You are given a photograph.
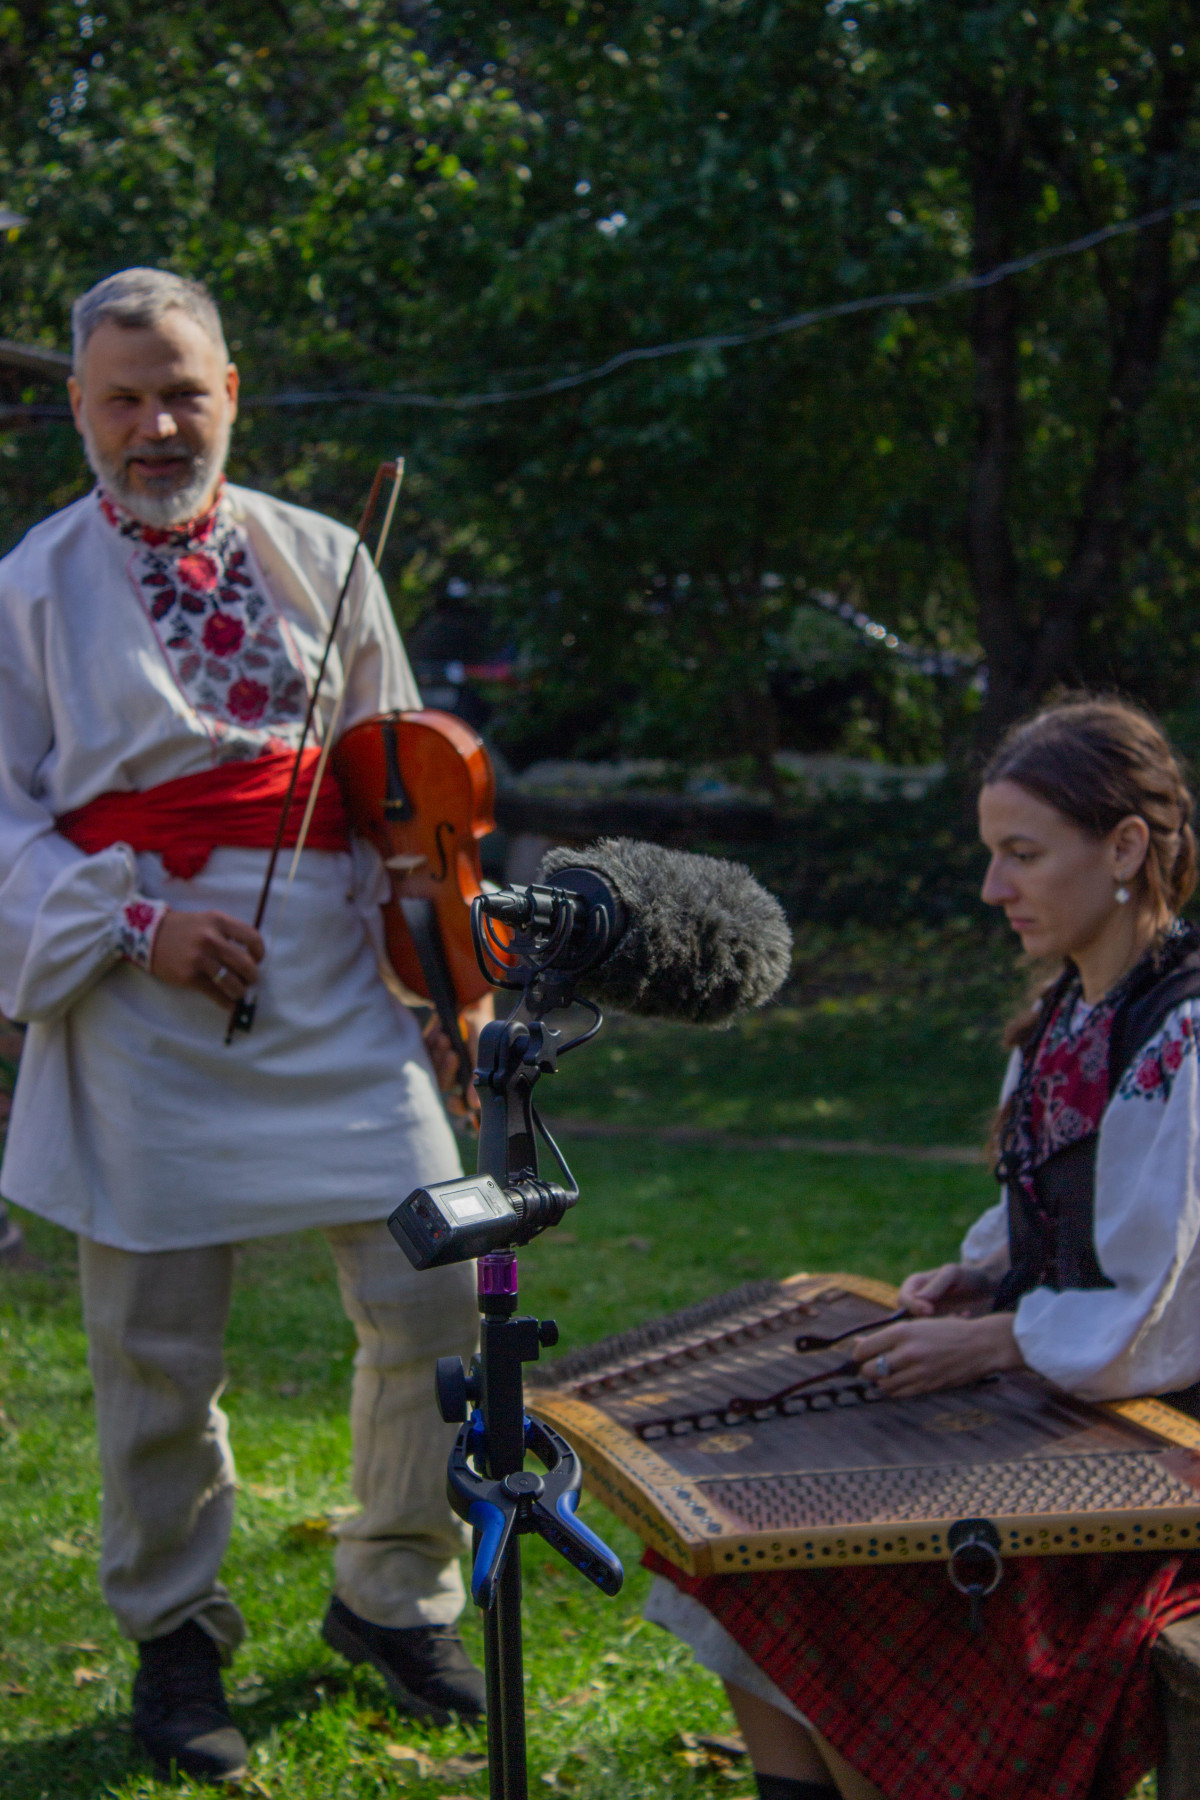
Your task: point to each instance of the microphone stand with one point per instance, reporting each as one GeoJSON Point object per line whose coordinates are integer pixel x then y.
{"type": "Point", "coordinates": [499, 1498]}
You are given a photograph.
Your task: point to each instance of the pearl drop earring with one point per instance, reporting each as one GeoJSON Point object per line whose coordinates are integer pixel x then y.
{"type": "Point", "coordinates": [1122, 895]}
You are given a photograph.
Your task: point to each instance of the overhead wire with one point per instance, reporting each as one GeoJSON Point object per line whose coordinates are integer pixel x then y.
{"type": "Point", "coordinates": [707, 342]}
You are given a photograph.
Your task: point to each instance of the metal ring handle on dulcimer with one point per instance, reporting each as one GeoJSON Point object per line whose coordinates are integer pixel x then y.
{"type": "Point", "coordinates": [419, 786]}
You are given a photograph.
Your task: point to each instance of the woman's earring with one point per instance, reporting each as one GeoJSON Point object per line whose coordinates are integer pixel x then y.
{"type": "Point", "coordinates": [1122, 895]}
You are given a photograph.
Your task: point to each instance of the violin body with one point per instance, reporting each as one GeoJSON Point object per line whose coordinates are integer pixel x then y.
{"type": "Point", "coordinates": [420, 787]}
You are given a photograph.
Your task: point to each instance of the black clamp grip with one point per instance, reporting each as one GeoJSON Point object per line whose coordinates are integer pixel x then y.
{"type": "Point", "coordinates": [525, 1502]}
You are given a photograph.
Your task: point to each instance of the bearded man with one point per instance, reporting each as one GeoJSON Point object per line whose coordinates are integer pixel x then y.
{"type": "Point", "coordinates": [158, 644]}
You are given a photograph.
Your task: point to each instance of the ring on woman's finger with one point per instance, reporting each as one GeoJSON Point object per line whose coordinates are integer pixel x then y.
{"type": "Point", "coordinates": [883, 1368]}
{"type": "Point", "coordinates": [220, 975]}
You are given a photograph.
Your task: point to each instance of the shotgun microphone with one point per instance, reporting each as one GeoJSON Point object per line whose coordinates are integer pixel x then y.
{"type": "Point", "coordinates": [660, 933]}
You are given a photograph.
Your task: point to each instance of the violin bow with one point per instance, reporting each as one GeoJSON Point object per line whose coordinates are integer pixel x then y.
{"type": "Point", "coordinates": [241, 1015]}
{"type": "Point", "coordinates": [351, 652]}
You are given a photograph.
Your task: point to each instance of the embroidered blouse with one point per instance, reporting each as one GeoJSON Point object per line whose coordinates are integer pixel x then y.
{"type": "Point", "coordinates": [1142, 1334]}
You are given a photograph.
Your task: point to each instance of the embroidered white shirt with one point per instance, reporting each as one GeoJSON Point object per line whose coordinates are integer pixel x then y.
{"type": "Point", "coordinates": [1142, 1335]}
{"type": "Point", "coordinates": [131, 1121]}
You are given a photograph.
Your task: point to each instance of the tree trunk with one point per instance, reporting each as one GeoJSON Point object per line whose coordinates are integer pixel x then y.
{"type": "Point", "coordinates": [1139, 313]}
{"type": "Point", "coordinates": [1028, 654]}
{"type": "Point", "coordinates": [997, 156]}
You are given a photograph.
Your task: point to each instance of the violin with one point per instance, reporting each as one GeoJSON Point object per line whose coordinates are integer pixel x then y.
{"type": "Point", "coordinates": [419, 786]}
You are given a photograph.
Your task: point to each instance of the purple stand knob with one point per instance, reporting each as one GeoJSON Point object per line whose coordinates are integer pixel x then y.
{"type": "Point", "coordinates": [498, 1274]}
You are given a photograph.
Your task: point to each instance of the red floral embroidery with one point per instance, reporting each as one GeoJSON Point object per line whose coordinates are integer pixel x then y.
{"type": "Point", "coordinates": [1154, 1075]}
{"type": "Point", "coordinates": [199, 571]}
{"type": "Point", "coordinates": [191, 532]}
{"type": "Point", "coordinates": [247, 700]}
{"type": "Point", "coordinates": [1069, 1090]}
{"type": "Point", "coordinates": [1147, 1076]}
{"type": "Point", "coordinates": [218, 629]}
{"type": "Point", "coordinates": [136, 927]}
{"type": "Point", "coordinates": [223, 635]}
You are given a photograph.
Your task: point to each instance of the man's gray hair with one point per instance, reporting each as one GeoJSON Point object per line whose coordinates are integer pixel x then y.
{"type": "Point", "coordinates": [138, 297]}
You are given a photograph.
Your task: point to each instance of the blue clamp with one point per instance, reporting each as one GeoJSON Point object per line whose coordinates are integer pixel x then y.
{"type": "Point", "coordinates": [524, 1502]}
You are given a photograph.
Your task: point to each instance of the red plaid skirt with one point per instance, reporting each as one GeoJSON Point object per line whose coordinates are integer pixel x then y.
{"type": "Point", "coordinates": [1052, 1700]}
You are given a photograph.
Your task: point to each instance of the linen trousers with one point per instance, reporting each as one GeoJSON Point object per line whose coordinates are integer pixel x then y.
{"type": "Point", "coordinates": [155, 1325]}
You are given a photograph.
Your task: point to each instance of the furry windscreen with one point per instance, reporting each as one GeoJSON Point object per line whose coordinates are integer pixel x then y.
{"type": "Point", "coordinates": [705, 941]}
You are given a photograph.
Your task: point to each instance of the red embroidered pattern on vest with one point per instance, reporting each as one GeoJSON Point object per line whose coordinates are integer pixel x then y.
{"type": "Point", "coordinates": [1070, 1079]}
{"type": "Point", "coordinates": [220, 633]}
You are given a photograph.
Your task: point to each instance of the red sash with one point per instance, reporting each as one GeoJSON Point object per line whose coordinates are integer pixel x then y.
{"type": "Point", "coordinates": [235, 805]}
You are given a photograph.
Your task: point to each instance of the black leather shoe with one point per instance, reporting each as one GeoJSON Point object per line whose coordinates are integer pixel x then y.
{"type": "Point", "coordinates": [180, 1716]}
{"type": "Point", "coordinates": [427, 1670]}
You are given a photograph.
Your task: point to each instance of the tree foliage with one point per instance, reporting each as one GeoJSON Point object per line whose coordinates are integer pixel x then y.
{"type": "Point", "coordinates": [438, 200]}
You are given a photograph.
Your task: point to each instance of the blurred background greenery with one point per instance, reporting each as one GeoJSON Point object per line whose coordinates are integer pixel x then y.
{"type": "Point", "coordinates": [391, 197]}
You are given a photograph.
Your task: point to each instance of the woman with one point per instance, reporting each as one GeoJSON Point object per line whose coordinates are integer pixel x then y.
{"type": "Point", "coordinates": [844, 1679]}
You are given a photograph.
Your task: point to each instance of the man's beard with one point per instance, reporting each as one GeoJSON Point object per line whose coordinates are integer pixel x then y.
{"type": "Point", "coordinates": [182, 502]}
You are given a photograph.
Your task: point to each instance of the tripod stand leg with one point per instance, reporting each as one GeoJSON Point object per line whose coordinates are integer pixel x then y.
{"type": "Point", "coordinates": [497, 1784]}
{"type": "Point", "coordinates": [512, 1677]}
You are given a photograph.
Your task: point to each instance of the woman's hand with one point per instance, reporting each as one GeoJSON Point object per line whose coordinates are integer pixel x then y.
{"type": "Point", "coordinates": [923, 1292]}
{"type": "Point", "coordinates": [922, 1355]}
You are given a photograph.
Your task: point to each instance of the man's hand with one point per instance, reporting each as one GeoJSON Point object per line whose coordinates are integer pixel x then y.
{"type": "Point", "coordinates": [922, 1355]}
{"type": "Point", "coordinates": [443, 1057]}
{"type": "Point", "coordinates": [924, 1292]}
{"type": "Point", "coordinates": [208, 951]}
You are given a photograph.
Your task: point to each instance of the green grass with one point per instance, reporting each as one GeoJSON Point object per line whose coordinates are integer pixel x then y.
{"type": "Point", "coordinates": [657, 1227]}
{"type": "Point", "coordinates": [886, 1037]}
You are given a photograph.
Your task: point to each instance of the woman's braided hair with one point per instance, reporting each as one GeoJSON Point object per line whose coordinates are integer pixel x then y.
{"type": "Point", "coordinates": [1099, 759]}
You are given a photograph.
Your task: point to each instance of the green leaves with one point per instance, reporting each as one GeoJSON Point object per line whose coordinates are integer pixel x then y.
{"type": "Point", "coordinates": [454, 205]}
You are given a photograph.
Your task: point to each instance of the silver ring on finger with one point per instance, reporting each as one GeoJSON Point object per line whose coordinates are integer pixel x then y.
{"type": "Point", "coordinates": [883, 1368]}
{"type": "Point", "coordinates": [220, 975]}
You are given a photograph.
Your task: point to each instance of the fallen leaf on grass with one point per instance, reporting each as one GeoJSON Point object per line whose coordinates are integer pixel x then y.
{"type": "Point", "coordinates": [580, 1697]}
{"type": "Point", "coordinates": [81, 1677]}
{"type": "Point", "coordinates": [318, 1526]}
{"type": "Point", "coordinates": [262, 1491]}
{"type": "Point", "coordinates": [568, 1773]}
{"type": "Point", "coordinates": [712, 1752]}
{"type": "Point", "coordinates": [614, 1657]}
{"type": "Point", "coordinates": [310, 1531]}
{"type": "Point", "coordinates": [404, 1753]}
{"type": "Point", "coordinates": [13, 1689]}
{"type": "Point", "coordinates": [725, 1744]}
{"type": "Point", "coordinates": [63, 1547]}
{"type": "Point", "coordinates": [462, 1765]}
{"type": "Point", "coordinates": [84, 1646]}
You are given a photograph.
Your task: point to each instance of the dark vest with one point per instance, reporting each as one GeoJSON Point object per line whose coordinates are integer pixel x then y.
{"type": "Point", "coordinates": [1053, 1244]}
